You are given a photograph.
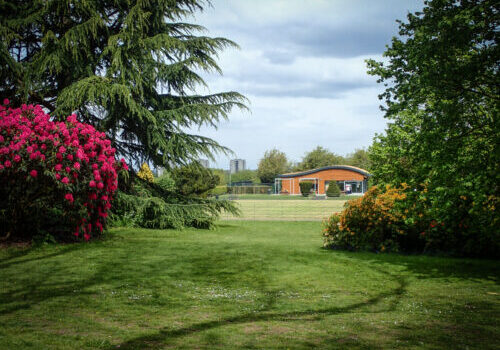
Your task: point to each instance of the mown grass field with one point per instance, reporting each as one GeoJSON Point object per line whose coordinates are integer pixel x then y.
{"type": "Point", "coordinates": [273, 197]}
{"type": "Point", "coordinates": [287, 210]}
{"type": "Point", "coordinates": [245, 285]}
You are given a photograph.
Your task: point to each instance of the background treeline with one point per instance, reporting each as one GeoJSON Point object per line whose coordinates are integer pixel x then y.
{"type": "Point", "coordinates": [275, 162]}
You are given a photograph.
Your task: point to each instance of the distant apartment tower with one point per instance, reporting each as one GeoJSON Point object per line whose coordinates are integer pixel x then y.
{"type": "Point", "coordinates": [237, 165]}
{"type": "Point", "coordinates": [203, 162]}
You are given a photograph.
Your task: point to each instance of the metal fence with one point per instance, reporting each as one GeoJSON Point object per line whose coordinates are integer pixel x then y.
{"type": "Point", "coordinates": [244, 188]}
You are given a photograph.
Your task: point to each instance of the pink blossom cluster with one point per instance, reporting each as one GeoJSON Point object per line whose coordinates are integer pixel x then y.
{"type": "Point", "coordinates": [73, 157]}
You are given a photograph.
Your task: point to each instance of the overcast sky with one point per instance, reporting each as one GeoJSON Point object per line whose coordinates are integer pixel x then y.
{"type": "Point", "coordinates": [302, 67]}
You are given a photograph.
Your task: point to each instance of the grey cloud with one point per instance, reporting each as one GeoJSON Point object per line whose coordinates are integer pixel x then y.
{"type": "Point", "coordinates": [328, 89]}
{"type": "Point", "coordinates": [272, 79]}
{"type": "Point", "coordinates": [284, 42]}
{"type": "Point", "coordinates": [342, 29]}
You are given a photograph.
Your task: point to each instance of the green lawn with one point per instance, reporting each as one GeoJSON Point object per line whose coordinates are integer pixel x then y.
{"type": "Point", "coordinates": [246, 285]}
{"type": "Point", "coordinates": [288, 210]}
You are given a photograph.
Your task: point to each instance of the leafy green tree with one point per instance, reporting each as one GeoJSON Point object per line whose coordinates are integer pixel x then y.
{"type": "Point", "coordinates": [194, 180]}
{"type": "Point", "coordinates": [223, 176]}
{"type": "Point", "coordinates": [442, 101]}
{"type": "Point", "coordinates": [245, 175]}
{"type": "Point", "coordinates": [130, 68]}
{"type": "Point", "coordinates": [319, 157]}
{"type": "Point", "coordinates": [359, 158]}
{"type": "Point", "coordinates": [272, 164]}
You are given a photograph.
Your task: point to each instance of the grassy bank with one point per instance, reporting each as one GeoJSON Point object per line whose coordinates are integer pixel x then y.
{"type": "Point", "coordinates": [246, 285]}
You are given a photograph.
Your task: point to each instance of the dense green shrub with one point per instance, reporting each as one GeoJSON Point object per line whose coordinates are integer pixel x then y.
{"type": "Point", "coordinates": [219, 190]}
{"type": "Point", "coordinates": [156, 213]}
{"type": "Point", "coordinates": [151, 206]}
{"type": "Point", "coordinates": [166, 182]}
{"type": "Point", "coordinates": [443, 132]}
{"type": "Point", "coordinates": [125, 210]}
{"type": "Point", "coordinates": [333, 189]}
{"type": "Point", "coordinates": [401, 219]}
{"type": "Point", "coordinates": [194, 180]}
{"type": "Point", "coordinates": [305, 188]}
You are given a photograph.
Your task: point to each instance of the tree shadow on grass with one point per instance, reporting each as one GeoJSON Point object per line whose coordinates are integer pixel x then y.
{"type": "Point", "coordinates": [35, 288]}
{"type": "Point", "coordinates": [165, 335]}
{"type": "Point", "coordinates": [13, 257]}
{"type": "Point", "coordinates": [429, 267]}
{"type": "Point", "coordinates": [38, 290]}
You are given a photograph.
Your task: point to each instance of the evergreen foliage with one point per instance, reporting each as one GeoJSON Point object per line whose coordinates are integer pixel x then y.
{"type": "Point", "coordinates": [194, 180]}
{"type": "Point", "coordinates": [166, 182]}
{"type": "Point", "coordinates": [305, 188]}
{"type": "Point", "coordinates": [271, 165]}
{"type": "Point", "coordinates": [150, 206]}
{"type": "Point", "coordinates": [333, 189]}
{"type": "Point", "coordinates": [128, 67]}
{"type": "Point", "coordinates": [145, 173]}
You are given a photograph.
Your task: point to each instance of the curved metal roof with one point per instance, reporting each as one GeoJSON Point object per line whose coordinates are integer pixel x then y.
{"type": "Point", "coordinates": [341, 167]}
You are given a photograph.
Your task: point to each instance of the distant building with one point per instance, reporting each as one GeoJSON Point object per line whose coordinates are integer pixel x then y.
{"type": "Point", "coordinates": [350, 179]}
{"type": "Point", "coordinates": [237, 165]}
{"type": "Point", "coordinates": [203, 162]}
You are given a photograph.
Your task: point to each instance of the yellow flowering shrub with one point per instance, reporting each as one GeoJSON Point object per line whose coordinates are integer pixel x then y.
{"type": "Point", "coordinates": [145, 173]}
{"type": "Point", "coordinates": [407, 219]}
{"type": "Point", "coordinates": [377, 221]}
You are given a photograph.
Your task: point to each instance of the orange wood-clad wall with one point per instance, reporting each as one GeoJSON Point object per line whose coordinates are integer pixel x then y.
{"type": "Point", "coordinates": [291, 185]}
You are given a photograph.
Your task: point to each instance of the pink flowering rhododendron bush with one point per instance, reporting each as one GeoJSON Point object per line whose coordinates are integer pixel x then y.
{"type": "Point", "coordinates": [57, 178]}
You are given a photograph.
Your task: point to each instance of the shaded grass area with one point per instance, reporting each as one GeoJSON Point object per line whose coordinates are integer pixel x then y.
{"type": "Point", "coordinates": [246, 285]}
{"type": "Point", "coordinates": [287, 210]}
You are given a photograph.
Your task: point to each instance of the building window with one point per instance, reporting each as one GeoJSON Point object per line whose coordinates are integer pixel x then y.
{"type": "Point", "coordinates": [354, 186]}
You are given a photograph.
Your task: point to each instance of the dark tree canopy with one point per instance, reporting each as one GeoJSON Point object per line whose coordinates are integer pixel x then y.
{"type": "Point", "coordinates": [442, 98]}
{"type": "Point", "coordinates": [130, 68]}
{"type": "Point", "coordinates": [443, 93]}
{"type": "Point", "coordinates": [194, 180]}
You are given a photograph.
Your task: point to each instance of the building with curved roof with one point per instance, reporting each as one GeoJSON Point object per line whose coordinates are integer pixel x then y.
{"type": "Point", "coordinates": [351, 180]}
